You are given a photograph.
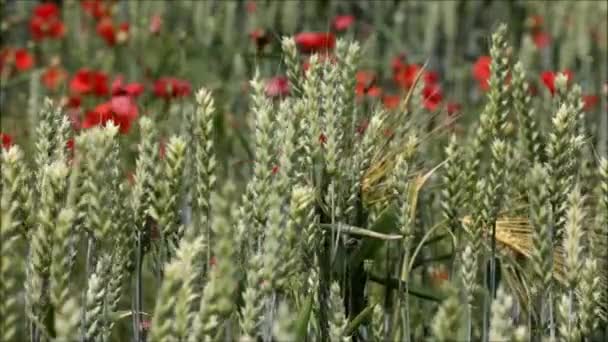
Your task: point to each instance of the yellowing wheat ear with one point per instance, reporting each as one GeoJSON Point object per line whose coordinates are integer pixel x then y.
{"type": "Point", "coordinates": [515, 234]}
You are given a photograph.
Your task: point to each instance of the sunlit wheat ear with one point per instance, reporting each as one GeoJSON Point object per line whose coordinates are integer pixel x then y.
{"type": "Point", "coordinates": [542, 240]}
{"type": "Point", "coordinates": [573, 238]}
{"type": "Point", "coordinates": [251, 311]}
{"type": "Point", "coordinates": [164, 326]}
{"type": "Point", "coordinates": [469, 273]}
{"type": "Point", "coordinates": [16, 189]}
{"type": "Point", "coordinates": [166, 210]}
{"type": "Point", "coordinates": [95, 297]}
{"type": "Point", "coordinates": [145, 174]}
{"type": "Point", "coordinates": [568, 318]}
{"type": "Point", "coordinates": [52, 193]}
{"type": "Point", "coordinates": [501, 325]}
{"type": "Point", "coordinates": [589, 297]}
{"type": "Point", "coordinates": [51, 135]}
{"type": "Point", "coordinates": [218, 298]}
{"type": "Point", "coordinates": [530, 136]}
{"type": "Point", "coordinates": [188, 256]}
{"type": "Point", "coordinates": [493, 119]}
{"type": "Point", "coordinates": [498, 96]}
{"type": "Point", "coordinates": [60, 264]}
{"type": "Point", "coordinates": [10, 265]}
{"type": "Point", "coordinates": [284, 326]}
{"type": "Point", "coordinates": [573, 250]}
{"type": "Point", "coordinates": [292, 61]}
{"type": "Point", "coordinates": [204, 159]}
{"type": "Point", "coordinates": [99, 193]}
{"type": "Point", "coordinates": [599, 240]}
{"type": "Point", "coordinates": [562, 152]}
{"type": "Point", "coordinates": [446, 322]}
{"type": "Point", "coordinates": [452, 190]}
{"type": "Point", "coordinates": [338, 320]}
{"type": "Point", "coordinates": [259, 186]}
{"type": "Point", "coordinates": [348, 54]}
{"type": "Point", "coordinates": [275, 249]}
{"type": "Point", "coordinates": [332, 106]}
{"type": "Point", "coordinates": [311, 94]}
{"type": "Point", "coordinates": [67, 319]}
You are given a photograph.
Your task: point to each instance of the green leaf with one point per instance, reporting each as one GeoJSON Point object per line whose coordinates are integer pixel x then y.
{"type": "Point", "coordinates": [303, 317]}
{"type": "Point", "coordinates": [413, 290]}
{"type": "Point", "coordinates": [387, 222]}
{"type": "Point", "coordinates": [358, 320]}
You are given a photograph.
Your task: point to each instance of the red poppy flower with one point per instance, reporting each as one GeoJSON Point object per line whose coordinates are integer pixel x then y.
{"type": "Point", "coordinates": [374, 91]}
{"type": "Point", "coordinates": [7, 140]}
{"type": "Point", "coordinates": [481, 72]}
{"type": "Point", "coordinates": [110, 34]}
{"type": "Point", "coordinates": [170, 87]}
{"type": "Point", "coordinates": [541, 39]}
{"type": "Point", "coordinates": [73, 101]}
{"type": "Point", "coordinates": [23, 60]}
{"type": "Point", "coordinates": [315, 41]}
{"type": "Point", "coordinates": [548, 79]}
{"type": "Point", "coordinates": [52, 77]}
{"type": "Point", "coordinates": [275, 169]}
{"type": "Point", "coordinates": [365, 76]}
{"type": "Point", "coordinates": [454, 108]}
{"type": "Point", "coordinates": [87, 81]}
{"type": "Point", "coordinates": [45, 22]}
{"type": "Point", "coordinates": [432, 96]}
{"type": "Point", "coordinates": [131, 89]}
{"type": "Point", "coordinates": [343, 22]}
{"type": "Point", "coordinates": [251, 6]}
{"type": "Point", "coordinates": [95, 8]}
{"type": "Point", "coordinates": [21, 57]}
{"type": "Point", "coordinates": [391, 101]}
{"type": "Point", "coordinates": [590, 101]}
{"type": "Point", "coordinates": [122, 110]}
{"type": "Point", "coordinates": [105, 30]}
{"type": "Point", "coordinates": [277, 86]}
{"type": "Point", "coordinates": [99, 116]}
{"type": "Point", "coordinates": [431, 77]}
{"type": "Point", "coordinates": [259, 37]}
{"type": "Point", "coordinates": [398, 63]}
{"type": "Point", "coordinates": [156, 23]}
{"type": "Point", "coordinates": [366, 84]}
{"type": "Point", "coordinates": [407, 75]}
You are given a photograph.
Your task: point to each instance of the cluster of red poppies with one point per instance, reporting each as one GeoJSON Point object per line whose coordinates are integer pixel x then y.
{"type": "Point", "coordinates": [308, 43]}
{"type": "Point", "coordinates": [118, 99]}
{"type": "Point", "coordinates": [481, 73]}
{"type": "Point", "coordinates": [120, 105]}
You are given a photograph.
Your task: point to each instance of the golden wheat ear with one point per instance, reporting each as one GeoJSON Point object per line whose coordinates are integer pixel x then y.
{"type": "Point", "coordinates": [514, 236]}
